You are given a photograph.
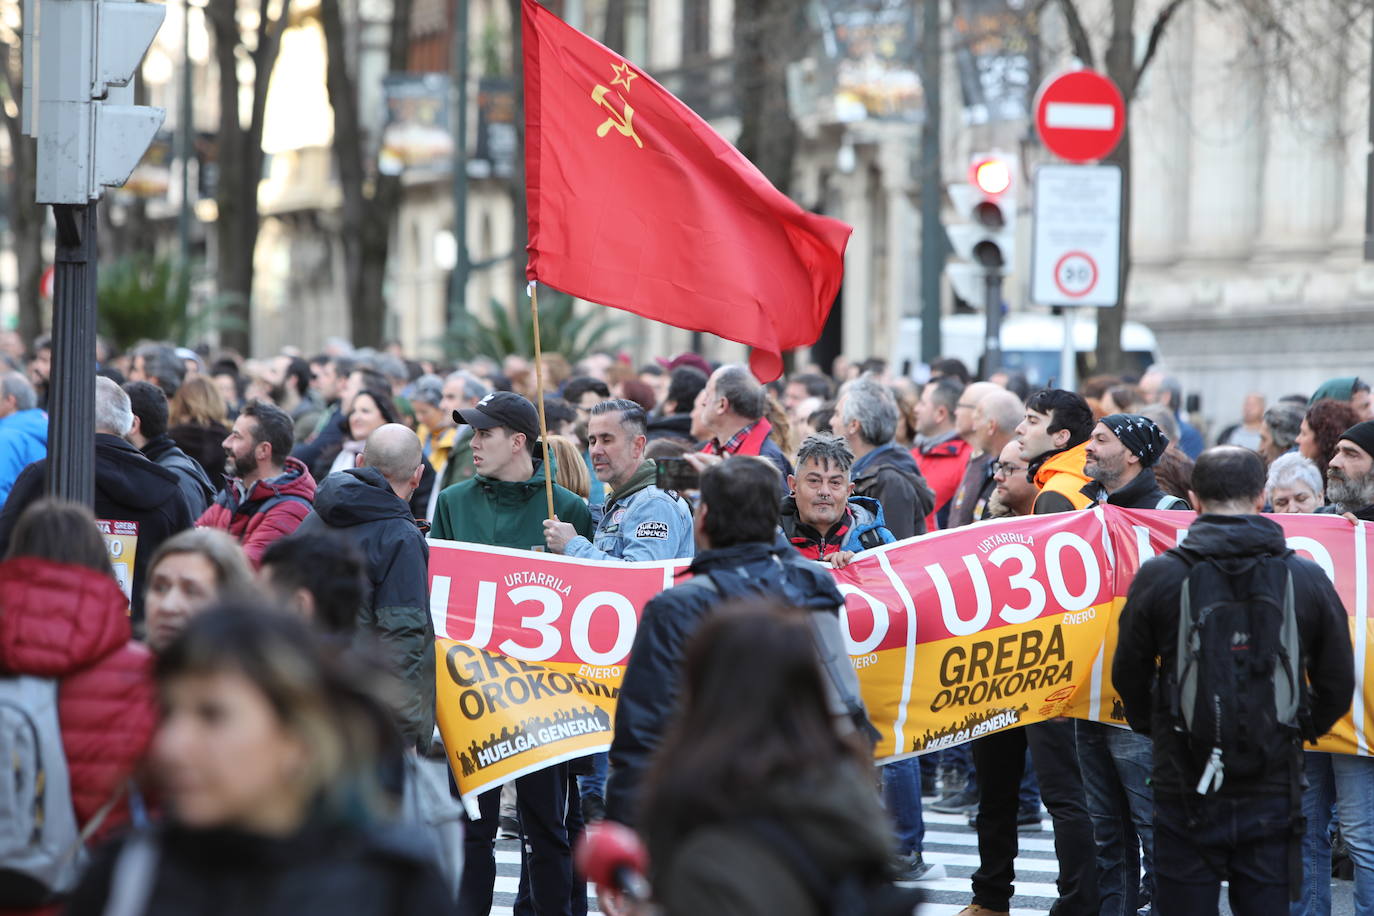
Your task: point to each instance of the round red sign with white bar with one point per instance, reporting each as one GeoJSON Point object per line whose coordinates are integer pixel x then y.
{"type": "Point", "coordinates": [1080, 115]}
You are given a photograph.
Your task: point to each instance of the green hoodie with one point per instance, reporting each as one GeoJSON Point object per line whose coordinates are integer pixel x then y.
{"type": "Point", "coordinates": [504, 514]}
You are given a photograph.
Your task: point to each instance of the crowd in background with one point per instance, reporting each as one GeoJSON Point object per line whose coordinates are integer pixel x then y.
{"type": "Point", "coordinates": [274, 596]}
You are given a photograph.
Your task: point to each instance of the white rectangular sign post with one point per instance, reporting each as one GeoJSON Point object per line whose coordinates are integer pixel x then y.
{"type": "Point", "coordinates": [1076, 248]}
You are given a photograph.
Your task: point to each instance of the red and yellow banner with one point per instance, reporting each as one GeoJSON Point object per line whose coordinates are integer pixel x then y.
{"type": "Point", "coordinates": [954, 634]}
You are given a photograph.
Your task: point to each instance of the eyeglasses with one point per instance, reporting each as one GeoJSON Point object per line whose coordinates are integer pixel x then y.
{"type": "Point", "coordinates": [966, 406]}
{"type": "Point", "coordinates": [1006, 468]}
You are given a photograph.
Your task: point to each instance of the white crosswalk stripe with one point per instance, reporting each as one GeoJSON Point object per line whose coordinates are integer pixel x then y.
{"type": "Point", "coordinates": [949, 842]}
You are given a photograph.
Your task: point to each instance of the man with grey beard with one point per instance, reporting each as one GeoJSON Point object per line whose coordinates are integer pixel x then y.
{"type": "Point", "coordinates": [1350, 474]}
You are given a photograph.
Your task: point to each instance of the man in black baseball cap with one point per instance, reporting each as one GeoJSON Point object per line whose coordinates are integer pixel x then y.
{"type": "Point", "coordinates": [503, 408]}
{"type": "Point", "coordinates": [504, 506]}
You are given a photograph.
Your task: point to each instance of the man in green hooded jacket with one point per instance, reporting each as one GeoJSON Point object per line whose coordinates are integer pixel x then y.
{"type": "Point", "coordinates": [504, 506]}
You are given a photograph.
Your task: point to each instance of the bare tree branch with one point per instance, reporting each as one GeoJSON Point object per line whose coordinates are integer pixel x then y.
{"type": "Point", "coordinates": [1078, 35]}
{"type": "Point", "coordinates": [1156, 33]}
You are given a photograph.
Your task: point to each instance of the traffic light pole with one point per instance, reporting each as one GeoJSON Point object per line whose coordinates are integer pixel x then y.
{"type": "Point", "coordinates": [71, 397]}
{"type": "Point", "coordinates": [992, 308]}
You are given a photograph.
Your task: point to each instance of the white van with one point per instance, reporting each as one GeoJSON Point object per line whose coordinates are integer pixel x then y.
{"type": "Point", "coordinates": [1030, 343]}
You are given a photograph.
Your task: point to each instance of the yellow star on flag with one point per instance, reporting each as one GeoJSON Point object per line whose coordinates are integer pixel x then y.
{"type": "Point", "coordinates": [623, 75]}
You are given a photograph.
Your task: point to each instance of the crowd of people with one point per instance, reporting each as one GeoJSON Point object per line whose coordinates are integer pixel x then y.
{"type": "Point", "coordinates": [240, 637]}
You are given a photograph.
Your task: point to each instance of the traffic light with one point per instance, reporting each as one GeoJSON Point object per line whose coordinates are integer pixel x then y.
{"type": "Point", "coordinates": [80, 58]}
{"type": "Point", "coordinates": [985, 234]}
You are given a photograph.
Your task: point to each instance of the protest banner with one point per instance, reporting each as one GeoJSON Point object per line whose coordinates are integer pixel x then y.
{"type": "Point", "coordinates": [954, 634]}
{"type": "Point", "coordinates": [529, 651]}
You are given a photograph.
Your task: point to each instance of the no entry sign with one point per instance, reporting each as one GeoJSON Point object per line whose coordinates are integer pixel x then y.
{"type": "Point", "coordinates": [1076, 256]}
{"type": "Point", "coordinates": [1080, 115]}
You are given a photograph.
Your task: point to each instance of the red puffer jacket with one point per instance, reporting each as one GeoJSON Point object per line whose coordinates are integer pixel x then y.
{"type": "Point", "coordinates": [274, 509]}
{"type": "Point", "coordinates": [70, 623]}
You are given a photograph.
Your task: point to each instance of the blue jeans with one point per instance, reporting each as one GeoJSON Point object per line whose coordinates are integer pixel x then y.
{"type": "Point", "coordinates": [902, 798]}
{"type": "Point", "coordinates": [1200, 840]}
{"type": "Point", "coordinates": [1317, 801]}
{"type": "Point", "coordinates": [1116, 767]}
{"type": "Point", "coordinates": [958, 758]}
{"type": "Point", "coordinates": [595, 784]}
{"type": "Point", "coordinates": [1348, 782]}
{"type": "Point", "coordinates": [1355, 805]}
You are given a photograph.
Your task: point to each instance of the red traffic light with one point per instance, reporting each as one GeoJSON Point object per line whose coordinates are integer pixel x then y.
{"type": "Point", "coordinates": [992, 176]}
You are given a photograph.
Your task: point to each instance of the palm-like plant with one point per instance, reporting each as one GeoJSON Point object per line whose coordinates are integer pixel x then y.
{"type": "Point", "coordinates": [561, 330]}
{"type": "Point", "coordinates": [145, 297]}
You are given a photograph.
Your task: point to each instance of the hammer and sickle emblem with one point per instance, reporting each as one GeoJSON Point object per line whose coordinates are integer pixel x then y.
{"type": "Point", "coordinates": [621, 121]}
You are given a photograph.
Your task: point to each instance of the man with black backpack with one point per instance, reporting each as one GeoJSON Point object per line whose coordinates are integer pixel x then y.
{"type": "Point", "coordinates": [1232, 652]}
{"type": "Point", "coordinates": [739, 554]}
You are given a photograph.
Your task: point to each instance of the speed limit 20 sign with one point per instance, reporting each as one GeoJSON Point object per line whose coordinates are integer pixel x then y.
{"type": "Point", "coordinates": [1076, 249]}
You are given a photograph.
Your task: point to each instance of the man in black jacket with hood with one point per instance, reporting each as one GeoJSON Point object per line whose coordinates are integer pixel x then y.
{"type": "Point", "coordinates": [740, 553]}
{"type": "Point", "coordinates": [370, 504]}
{"type": "Point", "coordinates": [1243, 828]}
{"type": "Point", "coordinates": [128, 488]}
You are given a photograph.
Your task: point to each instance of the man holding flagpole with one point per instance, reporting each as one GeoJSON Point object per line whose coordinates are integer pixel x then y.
{"type": "Point", "coordinates": [504, 506]}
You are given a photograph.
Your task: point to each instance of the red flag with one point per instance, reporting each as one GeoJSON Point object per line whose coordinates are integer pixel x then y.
{"type": "Point", "coordinates": [636, 203]}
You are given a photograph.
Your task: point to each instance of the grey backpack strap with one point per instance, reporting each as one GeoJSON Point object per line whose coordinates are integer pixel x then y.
{"type": "Point", "coordinates": [1171, 502]}
{"type": "Point", "coordinates": [131, 884]}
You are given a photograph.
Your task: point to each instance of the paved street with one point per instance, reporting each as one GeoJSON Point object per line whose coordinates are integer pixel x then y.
{"type": "Point", "coordinates": [949, 843]}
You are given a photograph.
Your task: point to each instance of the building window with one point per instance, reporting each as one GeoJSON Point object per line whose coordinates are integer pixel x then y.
{"type": "Point", "coordinates": [696, 30]}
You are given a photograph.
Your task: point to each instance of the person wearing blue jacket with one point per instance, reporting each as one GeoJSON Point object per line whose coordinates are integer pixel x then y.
{"type": "Point", "coordinates": [640, 521]}
{"type": "Point", "coordinates": [23, 429]}
{"type": "Point", "coordinates": [821, 518]}
{"type": "Point", "coordinates": [824, 522]}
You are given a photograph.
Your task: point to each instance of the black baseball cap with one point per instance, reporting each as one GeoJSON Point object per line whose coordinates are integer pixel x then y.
{"type": "Point", "coordinates": [502, 408]}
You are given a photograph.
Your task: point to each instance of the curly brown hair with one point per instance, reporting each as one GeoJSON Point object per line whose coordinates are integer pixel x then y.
{"type": "Point", "coordinates": [1325, 422]}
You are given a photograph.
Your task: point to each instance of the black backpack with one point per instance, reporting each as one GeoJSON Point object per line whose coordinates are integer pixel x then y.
{"type": "Point", "coordinates": [1239, 692]}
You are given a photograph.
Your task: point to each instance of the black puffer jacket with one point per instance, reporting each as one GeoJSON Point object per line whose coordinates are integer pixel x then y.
{"type": "Point", "coordinates": [649, 690]}
{"type": "Point", "coordinates": [1149, 631]}
{"type": "Point", "coordinates": [128, 488]}
{"type": "Point", "coordinates": [315, 872]}
{"type": "Point", "coordinates": [361, 504]}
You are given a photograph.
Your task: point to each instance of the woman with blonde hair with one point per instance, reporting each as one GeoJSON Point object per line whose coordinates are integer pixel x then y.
{"type": "Point", "coordinates": [198, 423]}
{"type": "Point", "coordinates": [570, 471]}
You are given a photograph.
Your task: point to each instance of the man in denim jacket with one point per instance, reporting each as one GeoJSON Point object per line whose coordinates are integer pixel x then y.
{"type": "Point", "coordinates": [641, 522]}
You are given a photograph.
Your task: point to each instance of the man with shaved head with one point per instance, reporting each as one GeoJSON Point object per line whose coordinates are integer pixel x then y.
{"type": "Point", "coordinates": [981, 417]}
{"type": "Point", "coordinates": [370, 504]}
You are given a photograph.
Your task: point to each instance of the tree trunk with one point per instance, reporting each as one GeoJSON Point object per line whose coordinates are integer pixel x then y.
{"type": "Point", "coordinates": [240, 160]}
{"type": "Point", "coordinates": [768, 34]}
{"type": "Point", "coordinates": [26, 217]}
{"type": "Point", "coordinates": [1120, 62]}
{"type": "Point", "coordinates": [367, 218]}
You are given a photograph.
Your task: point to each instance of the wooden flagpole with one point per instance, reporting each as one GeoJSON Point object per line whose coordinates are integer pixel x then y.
{"type": "Point", "coordinates": [539, 395]}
